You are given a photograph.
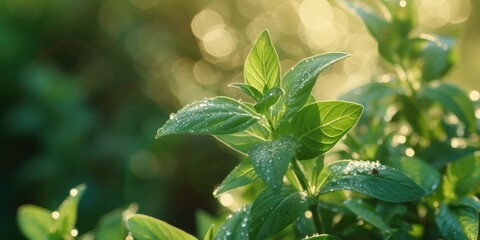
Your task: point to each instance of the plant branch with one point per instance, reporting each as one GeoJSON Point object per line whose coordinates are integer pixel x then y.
{"type": "Point", "coordinates": [317, 219]}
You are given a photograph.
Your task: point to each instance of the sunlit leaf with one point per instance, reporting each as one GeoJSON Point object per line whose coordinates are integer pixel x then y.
{"type": "Point", "coordinates": [247, 89]}
{"type": "Point", "coordinates": [367, 213]}
{"type": "Point", "coordinates": [210, 233]}
{"type": "Point", "coordinates": [218, 115]}
{"type": "Point", "coordinates": [271, 159]}
{"type": "Point", "coordinates": [271, 212]}
{"type": "Point", "coordinates": [262, 68]}
{"type": "Point", "coordinates": [67, 212]}
{"type": "Point", "coordinates": [457, 223]}
{"type": "Point", "coordinates": [319, 126]}
{"type": "Point", "coordinates": [35, 222]}
{"type": "Point", "coordinates": [298, 83]}
{"type": "Point", "coordinates": [321, 237]}
{"type": "Point", "coordinates": [112, 225]}
{"type": "Point", "coordinates": [369, 178]}
{"type": "Point", "coordinates": [144, 227]}
{"type": "Point", "coordinates": [464, 174]}
{"type": "Point", "coordinates": [454, 100]}
{"type": "Point", "coordinates": [236, 225]}
{"type": "Point", "coordinates": [244, 140]}
{"type": "Point", "coordinates": [419, 171]}
{"type": "Point", "coordinates": [242, 175]}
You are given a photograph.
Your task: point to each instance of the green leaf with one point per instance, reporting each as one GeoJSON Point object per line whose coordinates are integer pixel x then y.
{"type": "Point", "coordinates": [271, 159]}
{"type": "Point", "coordinates": [112, 225]}
{"type": "Point", "coordinates": [454, 100]}
{"type": "Point", "coordinates": [414, 115]}
{"type": "Point", "coordinates": [376, 25]}
{"type": "Point", "coordinates": [457, 223]}
{"type": "Point", "coordinates": [437, 57]}
{"type": "Point", "coordinates": [367, 213]}
{"type": "Point", "coordinates": [243, 141]}
{"type": "Point", "coordinates": [242, 175]}
{"type": "Point", "coordinates": [321, 237]}
{"type": "Point", "coordinates": [272, 212]}
{"type": "Point", "coordinates": [35, 222]}
{"type": "Point", "coordinates": [218, 115]}
{"type": "Point", "coordinates": [145, 227]}
{"type": "Point", "coordinates": [298, 83]}
{"type": "Point", "coordinates": [271, 97]}
{"type": "Point", "coordinates": [370, 92]}
{"type": "Point", "coordinates": [422, 173]}
{"type": "Point", "coordinates": [249, 90]}
{"type": "Point", "coordinates": [262, 68]}
{"type": "Point", "coordinates": [67, 212]}
{"type": "Point", "coordinates": [210, 233]}
{"type": "Point", "coordinates": [464, 173]}
{"type": "Point", "coordinates": [369, 178]}
{"type": "Point", "coordinates": [471, 201]}
{"type": "Point", "coordinates": [319, 126]}
{"type": "Point", "coordinates": [236, 226]}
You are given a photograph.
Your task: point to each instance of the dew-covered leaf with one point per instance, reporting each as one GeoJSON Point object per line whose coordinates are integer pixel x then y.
{"type": "Point", "coordinates": [458, 223]}
{"type": "Point", "coordinates": [144, 227]}
{"type": "Point", "coordinates": [454, 100]}
{"type": "Point", "coordinates": [244, 140]}
{"type": "Point", "coordinates": [272, 212]}
{"type": "Point", "coordinates": [319, 126]}
{"type": "Point", "coordinates": [422, 173]}
{"type": "Point", "coordinates": [271, 97]}
{"type": "Point", "coordinates": [271, 159]}
{"type": "Point", "coordinates": [241, 175]}
{"type": "Point", "coordinates": [262, 68]}
{"type": "Point", "coordinates": [298, 83]}
{"type": "Point", "coordinates": [369, 178]}
{"type": "Point", "coordinates": [321, 237]}
{"type": "Point", "coordinates": [67, 212]}
{"type": "Point", "coordinates": [35, 222]}
{"type": "Point", "coordinates": [218, 115]}
{"type": "Point", "coordinates": [236, 226]}
{"type": "Point", "coordinates": [470, 201]}
{"type": "Point", "coordinates": [367, 213]}
{"type": "Point", "coordinates": [464, 174]}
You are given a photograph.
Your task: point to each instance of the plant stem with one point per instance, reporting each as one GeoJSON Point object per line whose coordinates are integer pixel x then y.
{"type": "Point", "coordinates": [301, 177]}
{"type": "Point", "coordinates": [317, 219]}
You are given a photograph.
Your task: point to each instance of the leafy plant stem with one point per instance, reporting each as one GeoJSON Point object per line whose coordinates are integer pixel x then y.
{"type": "Point", "coordinates": [300, 176]}
{"type": "Point", "coordinates": [405, 78]}
{"type": "Point", "coordinates": [317, 219]}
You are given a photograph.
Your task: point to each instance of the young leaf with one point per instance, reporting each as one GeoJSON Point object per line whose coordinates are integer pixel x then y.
{"type": "Point", "coordinates": [319, 126]}
{"type": "Point", "coordinates": [369, 178]}
{"type": "Point", "coordinates": [464, 174]}
{"type": "Point", "coordinates": [454, 100]}
{"type": "Point", "coordinates": [298, 83]}
{"type": "Point", "coordinates": [321, 237]}
{"type": "Point", "coordinates": [422, 173]}
{"type": "Point", "coordinates": [210, 233]}
{"type": "Point", "coordinates": [35, 222]}
{"type": "Point", "coordinates": [144, 227]}
{"type": "Point", "coordinates": [243, 141]}
{"type": "Point", "coordinates": [262, 68]}
{"type": "Point", "coordinates": [271, 97]}
{"type": "Point", "coordinates": [249, 90]}
{"type": "Point", "coordinates": [241, 175]}
{"type": "Point", "coordinates": [367, 213]}
{"type": "Point", "coordinates": [218, 115]}
{"type": "Point", "coordinates": [67, 212]}
{"type": "Point", "coordinates": [272, 212]}
{"type": "Point", "coordinates": [457, 223]}
{"type": "Point", "coordinates": [236, 226]}
{"type": "Point", "coordinates": [112, 225]}
{"type": "Point", "coordinates": [271, 159]}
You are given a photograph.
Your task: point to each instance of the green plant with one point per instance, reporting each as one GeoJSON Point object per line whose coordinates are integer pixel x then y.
{"type": "Point", "coordinates": [420, 125]}
{"type": "Point", "coordinates": [283, 135]}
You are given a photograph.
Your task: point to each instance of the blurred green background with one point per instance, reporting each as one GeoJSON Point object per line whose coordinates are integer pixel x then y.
{"type": "Point", "coordinates": [85, 85]}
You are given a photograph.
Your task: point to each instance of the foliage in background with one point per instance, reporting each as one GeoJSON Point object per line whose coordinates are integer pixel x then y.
{"type": "Point", "coordinates": [419, 124]}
